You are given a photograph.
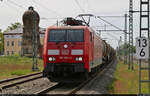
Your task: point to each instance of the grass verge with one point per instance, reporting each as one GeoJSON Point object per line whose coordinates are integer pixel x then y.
{"type": "Point", "coordinates": [127, 81]}
{"type": "Point", "coordinates": [12, 66]}
{"type": "Point", "coordinates": [110, 87]}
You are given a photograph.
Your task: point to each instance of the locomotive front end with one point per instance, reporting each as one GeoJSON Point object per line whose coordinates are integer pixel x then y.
{"type": "Point", "coordinates": [63, 53]}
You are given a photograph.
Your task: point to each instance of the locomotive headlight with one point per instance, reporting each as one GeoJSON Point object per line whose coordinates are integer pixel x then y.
{"type": "Point", "coordinates": [80, 58]}
{"type": "Point", "coordinates": [54, 59]}
{"type": "Point", "coordinates": [77, 59]}
{"type": "Point", "coordinates": [50, 59]}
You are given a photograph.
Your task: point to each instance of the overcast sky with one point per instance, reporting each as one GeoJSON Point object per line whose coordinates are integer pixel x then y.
{"type": "Point", "coordinates": [50, 11]}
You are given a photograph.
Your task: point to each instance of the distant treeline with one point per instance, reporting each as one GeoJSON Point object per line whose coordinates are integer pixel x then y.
{"type": "Point", "coordinates": [121, 49]}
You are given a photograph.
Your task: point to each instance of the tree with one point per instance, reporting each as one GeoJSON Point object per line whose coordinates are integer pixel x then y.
{"type": "Point", "coordinates": [121, 49]}
{"type": "Point", "coordinates": [13, 26]}
{"type": "Point", "coordinates": [1, 42]}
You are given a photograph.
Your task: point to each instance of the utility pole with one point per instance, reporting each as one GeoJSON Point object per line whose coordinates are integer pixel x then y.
{"type": "Point", "coordinates": [105, 27]}
{"type": "Point", "coordinates": [119, 49]}
{"type": "Point", "coordinates": [144, 27]}
{"type": "Point", "coordinates": [125, 40]}
{"type": "Point", "coordinates": [130, 63]}
{"type": "Point", "coordinates": [99, 32]}
{"type": "Point", "coordinates": [57, 23]}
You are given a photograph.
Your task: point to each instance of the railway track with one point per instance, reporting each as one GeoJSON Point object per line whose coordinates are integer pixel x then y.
{"type": "Point", "coordinates": [92, 78]}
{"type": "Point", "coordinates": [19, 80]}
{"type": "Point", "coordinates": [48, 89]}
{"type": "Point", "coordinates": [59, 88]}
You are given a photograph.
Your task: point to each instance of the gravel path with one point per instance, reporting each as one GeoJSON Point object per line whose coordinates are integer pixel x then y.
{"type": "Point", "coordinates": [100, 83]}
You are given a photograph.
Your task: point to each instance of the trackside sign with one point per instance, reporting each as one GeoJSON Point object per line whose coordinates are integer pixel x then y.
{"type": "Point", "coordinates": [142, 45]}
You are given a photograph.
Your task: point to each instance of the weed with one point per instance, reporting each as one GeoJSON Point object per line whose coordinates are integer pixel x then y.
{"type": "Point", "coordinates": [19, 72]}
{"type": "Point", "coordinates": [128, 80]}
{"type": "Point", "coordinates": [111, 86]}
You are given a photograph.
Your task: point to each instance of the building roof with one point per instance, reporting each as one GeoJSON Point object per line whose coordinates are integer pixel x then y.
{"type": "Point", "coordinates": [20, 31]}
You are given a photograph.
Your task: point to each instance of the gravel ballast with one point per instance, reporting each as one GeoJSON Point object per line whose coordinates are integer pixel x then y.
{"type": "Point", "coordinates": [100, 84]}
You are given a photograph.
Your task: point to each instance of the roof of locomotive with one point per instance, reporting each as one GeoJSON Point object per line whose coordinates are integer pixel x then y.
{"type": "Point", "coordinates": [68, 27]}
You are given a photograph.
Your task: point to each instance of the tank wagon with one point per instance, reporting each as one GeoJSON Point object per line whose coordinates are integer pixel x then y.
{"type": "Point", "coordinates": [72, 51]}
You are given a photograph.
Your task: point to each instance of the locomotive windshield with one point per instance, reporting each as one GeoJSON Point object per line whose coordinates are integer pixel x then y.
{"type": "Point", "coordinates": [74, 35]}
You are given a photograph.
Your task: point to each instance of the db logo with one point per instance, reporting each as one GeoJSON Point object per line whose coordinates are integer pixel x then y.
{"type": "Point", "coordinates": [65, 52]}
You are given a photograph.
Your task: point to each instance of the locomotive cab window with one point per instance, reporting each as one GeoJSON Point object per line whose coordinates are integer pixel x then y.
{"type": "Point", "coordinates": [66, 35]}
{"type": "Point", "coordinates": [75, 35]}
{"type": "Point", "coordinates": [57, 35]}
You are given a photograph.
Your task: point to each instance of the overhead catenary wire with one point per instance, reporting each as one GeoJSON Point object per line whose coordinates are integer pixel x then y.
{"type": "Point", "coordinates": [16, 4]}
{"type": "Point", "coordinates": [80, 6]}
{"type": "Point", "coordinates": [12, 7]}
{"type": "Point", "coordinates": [108, 35]}
{"type": "Point", "coordinates": [33, 3]}
{"type": "Point", "coordinates": [53, 11]}
{"type": "Point", "coordinates": [49, 10]}
{"type": "Point", "coordinates": [113, 36]}
{"type": "Point", "coordinates": [24, 5]}
{"type": "Point", "coordinates": [111, 31]}
{"type": "Point", "coordinates": [112, 16]}
{"type": "Point", "coordinates": [52, 18]}
{"type": "Point", "coordinates": [88, 5]}
{"type": "Point", "coordinates": [109, 23]}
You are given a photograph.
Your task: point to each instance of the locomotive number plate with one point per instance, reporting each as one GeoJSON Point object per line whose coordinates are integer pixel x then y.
{"type": "Point", "coordinates": [65, 57]}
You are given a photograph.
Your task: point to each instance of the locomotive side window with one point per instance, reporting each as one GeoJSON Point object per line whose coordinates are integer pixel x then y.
{"type": "Point", "coordinates": [75, 35]}
{"type": "Point", "coordinates": [91, 36]}
{"type": "Point", "coordinates": [57, 35]}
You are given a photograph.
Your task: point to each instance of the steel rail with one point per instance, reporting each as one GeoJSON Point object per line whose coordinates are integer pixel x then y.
{"type": "Point", "coordinates": [12, 83]}
{"type": "Point", "coordinates": [20, 77]}
{"type": "Point", "coordinates": [50, 88]}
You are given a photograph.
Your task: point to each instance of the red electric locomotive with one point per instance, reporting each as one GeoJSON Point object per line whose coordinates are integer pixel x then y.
{"type": "Point", "coordinates": [71, 51]}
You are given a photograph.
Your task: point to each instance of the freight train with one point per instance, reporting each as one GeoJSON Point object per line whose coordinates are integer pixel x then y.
{"type": "Point", "coordinates": [72, 52]}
